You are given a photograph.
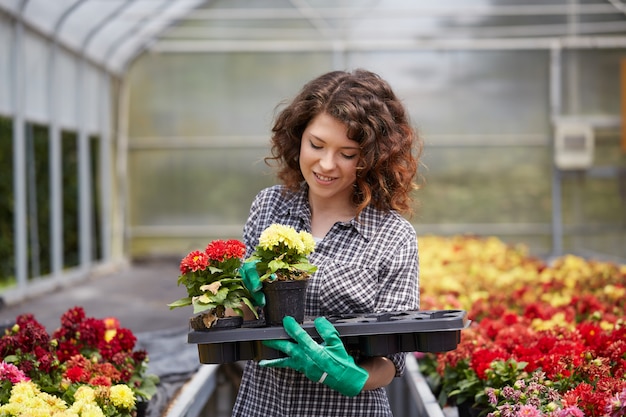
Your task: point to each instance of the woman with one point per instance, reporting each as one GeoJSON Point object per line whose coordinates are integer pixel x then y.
{"type": "Point", "coordinates": [347, 159]}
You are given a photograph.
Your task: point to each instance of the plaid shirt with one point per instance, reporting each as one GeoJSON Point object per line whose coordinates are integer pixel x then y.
{"type": "Point", "coordinates": [365, 265]}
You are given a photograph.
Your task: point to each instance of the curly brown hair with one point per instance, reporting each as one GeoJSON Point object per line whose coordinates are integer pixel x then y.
{"type": "Point", "coordinates": [375, 118]}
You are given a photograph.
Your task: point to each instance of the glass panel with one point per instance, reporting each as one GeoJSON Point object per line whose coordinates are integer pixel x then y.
{"type": "Point", "coordinates": [96, 241]}
{"type": "Point", "coordinates": [7, 247]}
{"type": "Point", "coordinates": [70, 199]}
{"type": "Point", "coordinates": [45, 14]}
{"type": "Point", "coordinates": [38, 200]}
{"type": "Point", "coordinates": [485, 185]}
{"type": "Point", "coordinates": [592, 82]}
{"type": "Point", "coordinates": [35, 78]}
{"type": "Point", "coordinates": [214, 94]}
{"type": "Point", "coordinates": [65, 89]}
{"type": "Point", "coordinates": [6, 65]}
{"type": "Point", "coordinates": [465, 92]}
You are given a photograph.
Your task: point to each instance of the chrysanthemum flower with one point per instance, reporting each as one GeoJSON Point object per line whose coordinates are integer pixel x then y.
{"type": "Point", "coordinates": [278, 235]}
{"type": "Point", "coordinates": [12, 373]}
{"type": "Point", "coordinates": [122, 396]}
{"type": "Point", "coordinates": [220, 250]}
{"type": "Point", "coordinates": [193, 262]}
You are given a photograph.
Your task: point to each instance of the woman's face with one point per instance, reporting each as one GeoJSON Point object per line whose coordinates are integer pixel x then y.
{"type": "Point", "coordinates": [328, 159]}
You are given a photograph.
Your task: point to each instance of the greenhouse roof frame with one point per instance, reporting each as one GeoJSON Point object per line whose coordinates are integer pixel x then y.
{"type": "Point", "coordinates": [112, 33]}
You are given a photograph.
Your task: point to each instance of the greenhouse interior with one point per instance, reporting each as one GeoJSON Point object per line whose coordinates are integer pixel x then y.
{"type": "Point", "coordinates": [133, 132]}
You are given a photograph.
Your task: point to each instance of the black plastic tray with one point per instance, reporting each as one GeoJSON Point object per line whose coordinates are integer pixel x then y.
{"type": "Point", "coordinates": [362, 334]}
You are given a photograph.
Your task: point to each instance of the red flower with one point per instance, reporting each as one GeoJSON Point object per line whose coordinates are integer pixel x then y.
{"type": "Point", "coordinates": [100, 380]}
{"type": "Point", "coordinates": [194, 261]}
{"type": "Point", "coordinates": [126, 339]}
{"type": "Point", "coordinates": [77, 374]}
{"type": "Point", "coordinates": [220, 250]}
{"type": "Point", "coordinates": [66, 350]}
{"type": "Point", "coordinates": [73, 315]}
{"type": "Point", "coordinates": [482, 358]}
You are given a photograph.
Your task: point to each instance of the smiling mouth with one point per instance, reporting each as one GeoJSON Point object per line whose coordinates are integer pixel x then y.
{"type": "Point", "coordinates": [323, 178]}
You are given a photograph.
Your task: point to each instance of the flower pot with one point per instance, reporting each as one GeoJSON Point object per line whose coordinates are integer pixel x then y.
{"type": "Point", "coordinates": [284, 298]}
{"type": "Point", "coordinates": [201, 323]}
{"type": "Point", "coordinates": [469, 409]}
{"type": "Point", "coordinates": [142, 407]}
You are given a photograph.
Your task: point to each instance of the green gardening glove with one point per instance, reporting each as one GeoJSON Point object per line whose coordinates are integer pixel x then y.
{"type": "Point", "coordinates": [250, 278]}
{"type": "Point", "coordinates": [327, 363]}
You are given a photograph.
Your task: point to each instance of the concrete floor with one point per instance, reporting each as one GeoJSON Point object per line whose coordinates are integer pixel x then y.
{"type": "Point", "coordinates": [137, 295]}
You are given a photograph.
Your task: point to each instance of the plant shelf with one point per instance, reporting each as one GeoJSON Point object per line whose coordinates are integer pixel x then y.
{"type": "Point", "coordinates": [363, 334]}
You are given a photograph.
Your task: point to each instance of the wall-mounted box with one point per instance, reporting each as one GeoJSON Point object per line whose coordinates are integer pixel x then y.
{"type": "Point", "coordinates": [573, 145]}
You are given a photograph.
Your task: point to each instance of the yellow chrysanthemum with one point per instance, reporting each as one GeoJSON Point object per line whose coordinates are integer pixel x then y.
{"type": "Point", "coordinates": [85, 393]}
{"type": "Point", "coordinates": [87, 409]}
{"type": "Point", "coordinates": [279, 234]}
{"type": "Point", "coordinates": [308, 241]}
{"type": "Point", "coordinates": [122, 396]}
{"type": "Point", "coordinates": [27, 400]}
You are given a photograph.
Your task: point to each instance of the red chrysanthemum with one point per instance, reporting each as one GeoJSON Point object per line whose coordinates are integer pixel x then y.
{"type": "Point", "coordinates": [66, 350]}
{"type": "Point", "coordinates": [77, 374]}
{"type": "Point", "coordinates": [100, 380]}
{"type": "Point", "coordinates": [73, 315]}
{"type": "Point", "coordinates": [194, 261]}
{"type": "Point", "coordinates": [126, 339]}
{"type": "Point", "coordinates": [221, 250]}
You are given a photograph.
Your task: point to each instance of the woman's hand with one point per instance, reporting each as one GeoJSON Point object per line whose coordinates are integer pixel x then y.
{"type": "Point", "coordinates": [327, 363]}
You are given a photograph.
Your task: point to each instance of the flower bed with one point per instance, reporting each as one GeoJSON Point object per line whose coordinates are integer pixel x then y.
{"type": "Point", "coordinates": [546, 340]}
{"type": "Point", "coordinates": [88, 367]}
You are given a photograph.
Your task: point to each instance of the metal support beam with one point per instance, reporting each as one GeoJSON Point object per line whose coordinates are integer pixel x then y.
{"type": "Point", "coordinates": [555, 113]}
{"type": "Point", "coordinates": [19, 155]}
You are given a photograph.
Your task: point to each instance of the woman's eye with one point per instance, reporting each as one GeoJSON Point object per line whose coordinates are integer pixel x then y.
{"type": "Point", "coordinates": [349, 156]}
{"type": "Point", "coordinates": [314, 146]}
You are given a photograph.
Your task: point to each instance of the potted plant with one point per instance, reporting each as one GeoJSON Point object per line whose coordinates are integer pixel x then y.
{"type": "Point", "coordinates": [282, 262]}
{"type": "Point", "coordinates": [213, 285]}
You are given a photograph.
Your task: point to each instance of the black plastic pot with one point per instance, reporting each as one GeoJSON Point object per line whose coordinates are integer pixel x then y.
{"type": "Point", "coordinates": [284, 298]}
{"type": "Point", "coordinates": [222, 323]}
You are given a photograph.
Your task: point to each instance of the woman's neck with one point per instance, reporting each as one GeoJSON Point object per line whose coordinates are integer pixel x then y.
{"type": "Point", "coordinates": [324, 214]}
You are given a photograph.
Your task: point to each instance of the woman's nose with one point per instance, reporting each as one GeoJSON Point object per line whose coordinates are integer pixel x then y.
{"type": "Point", "coordinates": [327, 161]}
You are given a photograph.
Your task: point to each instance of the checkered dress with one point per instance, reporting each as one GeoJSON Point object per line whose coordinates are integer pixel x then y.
{"type": "Point", "coordinates": [364, 266]}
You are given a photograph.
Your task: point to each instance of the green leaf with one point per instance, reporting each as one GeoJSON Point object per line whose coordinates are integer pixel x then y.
{"type": "Point", "coordinates": [182, 302]}
{"type": "Point", "coordinates": [275, 264]}
{"type": "Point", "coordinates": [247, 302]}
{"type": "Point", "coordinates": [306, 267]}
{"type": "Point", "coordinates": [201, 308]}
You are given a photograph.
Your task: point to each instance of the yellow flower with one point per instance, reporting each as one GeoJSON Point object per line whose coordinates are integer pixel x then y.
{"type": "Point", "coordinates": [308, 241]}
{"type": "Point", "coordinates": [27, 400]}
{"type": "Point", "coordinates": [109, 334]}
{"type": "Point", "coordinates": [85, 393]}
{"type": "Point", "coordinates": [277, 234]}
{"type": "Point", "coordinates": [86, 409]}
{"type": "Point", "coordinates": [122, 396]}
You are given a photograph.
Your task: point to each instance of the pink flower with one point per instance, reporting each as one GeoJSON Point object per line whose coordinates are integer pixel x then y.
{"type": "Point", "coordinates": [10, 372]}
{"type": "Point", "coordinates": [571, 411]}
{"type": "Point", "coordinates": [528, 411]}
{"type": "Point", "coordinates": [617, 406]}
